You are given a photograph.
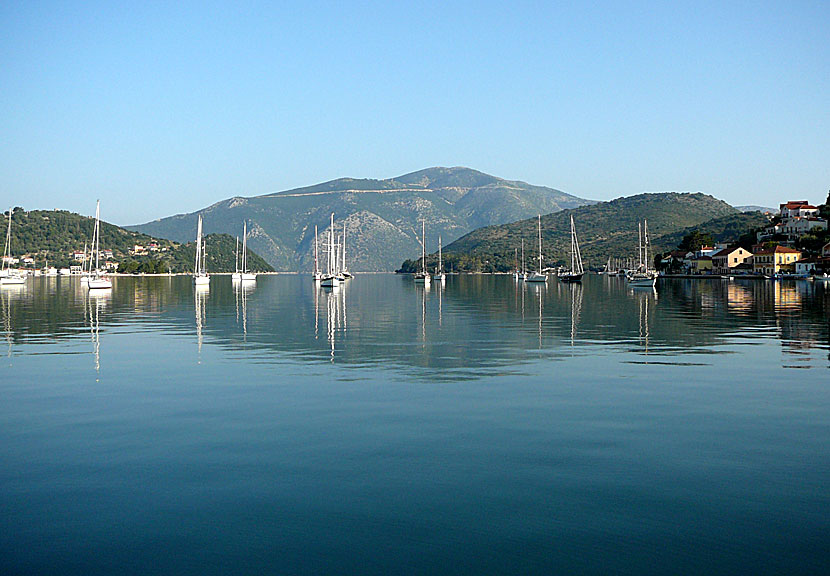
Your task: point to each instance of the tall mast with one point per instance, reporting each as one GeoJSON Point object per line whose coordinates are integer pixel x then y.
{"type": "Point", "coordinates": [97, 231]}
{"type": "Point", "coordinates": [540, 243]}
{"type": "Point", "coordinates": [236, 255]}
{"type": "Point", "coordinates": [640, 243]}
{"type": "Point", "coordinates": [440, 263]}
{"type": "Point", "coordinates": [424, 246]}
{"type": "Point", "coordinates": [198, 264]}
{"type": "Point", "coordinates": [343, 263]}
{"type": "Point", "coordinates": [316, 257]}
{"type": "Point", "coordinates": [331, 246]}
{"type": "Point", "coordinates": [7, 251]}
{"type": "Point", "coordinates": [523, 255]}
{"type": "Point", "coordinates": [244, 247]}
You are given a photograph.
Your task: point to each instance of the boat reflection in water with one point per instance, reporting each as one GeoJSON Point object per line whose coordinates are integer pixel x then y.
{"type": "Point", "coordinates": [242, 289]}
{"type": "Point", "coordinates": [200, 294]}
{"type": "Point", "coordinates": [97, 301]}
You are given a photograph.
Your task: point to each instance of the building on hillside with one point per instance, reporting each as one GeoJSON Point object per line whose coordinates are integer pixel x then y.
{"type": "Point", "coordinates": [798, 217]}
{"type": "Point", "coordinates": [798, 209]}
{"type": "Point", "coordinates": [111, 266]}
{"type": "Point", "coordinates": [777, 260]}
{"type": "Point", "coordinates": [106, 254]}
{"type": "Point", "coordinates": [138, 249]}
{"type": "Point", "coordinates": [701, 265]}
{"type": "Point", "coordinates": [726, 260]}
{"type": "Point", "coordinates": [79, 256]}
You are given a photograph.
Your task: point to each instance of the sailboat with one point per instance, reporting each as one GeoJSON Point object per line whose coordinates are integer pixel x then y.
{"type": "Point", "coordinates": [8, 276]}
{"type": "Point", "coordinates": [200, 275]}
{"type": "Point", "coordinates": [422, 277]}
{"type": "Point", "coordinates": [344, 272]}
{"type": "Point", "coordinates": [330, 279]}
{"type": "Point", "coordinates": [97, 279]}
{"type": "Point", "coordinates": [516, 272]}
{"type": "Point", "coordinates": [643, 276]}
{"type": "Point", "coordinates": [237, 275]}
{"type": "Point", "coordinates": [317, 276]}
{"type": "Point", "coordinates": [439, 273]}
{"type": "Point", "coordinates": [538, 276]}
{"type": "Point", "coordinates": [576, 271]}
{"type": "Point", "coordinates": [244, 275]}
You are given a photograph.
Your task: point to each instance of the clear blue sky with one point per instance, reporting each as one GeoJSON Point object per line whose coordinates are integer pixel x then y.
{"type": "Point", "coordinates": [161, 107]}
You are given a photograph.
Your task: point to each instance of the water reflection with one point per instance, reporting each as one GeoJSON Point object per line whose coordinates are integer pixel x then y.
{"type": "Point", "coordinates": [241, 290]}
{"type": "Point", "coordinates": [98, 300]}
{"type": "Point", "coordinates": [473, 326]}
{"type": "Point", "coordinates": [200, 294]}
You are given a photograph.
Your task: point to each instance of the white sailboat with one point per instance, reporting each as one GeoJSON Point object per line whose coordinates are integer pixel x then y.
{"type": "Point", "coordinates": [245, 276]}
{"type": "Point", "coordinates": [576, 271]}
{"type": "Point", "coordinates": [97, 279]}
{"type": "Point", "coordinates": [330, 279]}
{"type": "Point", "coordinates": [422, 277]}
{"type": "Point", "coordinates": [344, 272]}
{"type": "Point", "coordinates": [200, 275]}
{"type": "Point", "coordinates": [317, 276]}
{"type": "Point", "coordinates": [643, 276]}
{"type": "Point", "coordinates": [439, 273]}
{"type": "Point", "coordinates": [516, 273]}
{"type": "Point", "coordinates": [538, 276]}
{"type": "Point", "coordinates": [237, 275]}
{"type": "Point", "coordinates": [8, 275]}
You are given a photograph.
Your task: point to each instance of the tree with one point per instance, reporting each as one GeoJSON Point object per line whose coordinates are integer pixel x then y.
{"type": "Point", "coordinates": [693, 241]}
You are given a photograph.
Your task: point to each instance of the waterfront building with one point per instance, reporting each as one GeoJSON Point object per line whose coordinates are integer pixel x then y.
{"type": "Point", "coordinates": [701, 265]}
{"type": "Point", "coordinates": [779, 259]}
{"type": "Point", "coordinates": [725, 261]}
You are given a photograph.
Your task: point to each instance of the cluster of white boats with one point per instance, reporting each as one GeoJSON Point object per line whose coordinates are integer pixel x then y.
{"type": "Point", "coordinates": [640, 276]}
{"type": "Point", "coordinates": [241, 275]}
{"type": "Point", "coordinates": [336, 270]}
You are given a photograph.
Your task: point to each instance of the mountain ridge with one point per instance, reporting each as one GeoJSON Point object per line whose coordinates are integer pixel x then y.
{"type": "Point", "coordinates": [382, 217]}
{"type": "Point", "coordinates": [605, 229]}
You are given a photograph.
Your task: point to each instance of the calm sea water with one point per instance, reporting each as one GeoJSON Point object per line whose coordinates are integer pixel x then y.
{"type": "Point", "coordinates": [486, 427]}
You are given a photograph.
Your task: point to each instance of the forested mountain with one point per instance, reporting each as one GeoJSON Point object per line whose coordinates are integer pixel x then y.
{"type": "Point", "coordinates": [382, 217]}
{"type": "Point", "coordinates": [54, 235]}
{"type": "Point", "coordinates": [605, 229]}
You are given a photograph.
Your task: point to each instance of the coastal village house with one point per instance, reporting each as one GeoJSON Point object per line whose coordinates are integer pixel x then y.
{"type": "Point", "coordinates": [780, 259]}
{"type": "Point", "coordinates": [798, 217]}
{"type": "Point", "coordinates": [701, 265]}
{"type": "Point", "coordinates": [726, 260]}
{"type": "Point", "coordinates": [825, 250]}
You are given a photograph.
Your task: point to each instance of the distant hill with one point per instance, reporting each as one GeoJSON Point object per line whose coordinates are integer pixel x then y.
{"type": "Point", "coordinates": [606, 229]}
{"type": "Point", "coordinates": [382, 217]}
{"type": "Point", "coordinates": [54, 235]}
{"type": "Point", "coordinates": [761, 209]}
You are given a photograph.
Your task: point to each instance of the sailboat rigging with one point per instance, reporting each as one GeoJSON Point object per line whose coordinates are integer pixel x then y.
{"type": "Point", "coordinates": [576, 271]}
{"type": "Point", "coordinates": [538, 276]}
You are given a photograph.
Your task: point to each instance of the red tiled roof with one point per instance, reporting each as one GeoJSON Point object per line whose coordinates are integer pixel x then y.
{"type": "Point", "coordinates": [779, 250]}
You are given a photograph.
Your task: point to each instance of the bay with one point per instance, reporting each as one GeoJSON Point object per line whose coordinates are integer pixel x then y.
{"type": "Point", "coordinates": [482, 427]}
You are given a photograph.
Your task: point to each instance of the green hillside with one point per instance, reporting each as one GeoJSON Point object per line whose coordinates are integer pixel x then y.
{"type": "Point", "coordinates": [606, 229]}
{"type": "Point", "coordinates": [382, 217]}
{"type": "Point", "coordinates": [54, 235]}
{"type": "Point", "coordinates": [726, 230]}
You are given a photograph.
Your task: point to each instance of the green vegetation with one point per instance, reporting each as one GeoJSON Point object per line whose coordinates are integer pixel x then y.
{"type": "Point", "coordinates": [53, 236]}
{"type": "Point", "coordinates": [382, 217]}
{"type": "Point", "coordinates": [607, 229]}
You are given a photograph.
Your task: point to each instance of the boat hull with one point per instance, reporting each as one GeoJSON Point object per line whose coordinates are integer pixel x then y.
{"type": "Point", "coordinates": [99, 283]}
{"type": "Point", "coordinates": [570, 278]}
{"type": "Point", "coordinates": [201, 280]}
{"type": "Point", "coordinates": [536, 277]}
